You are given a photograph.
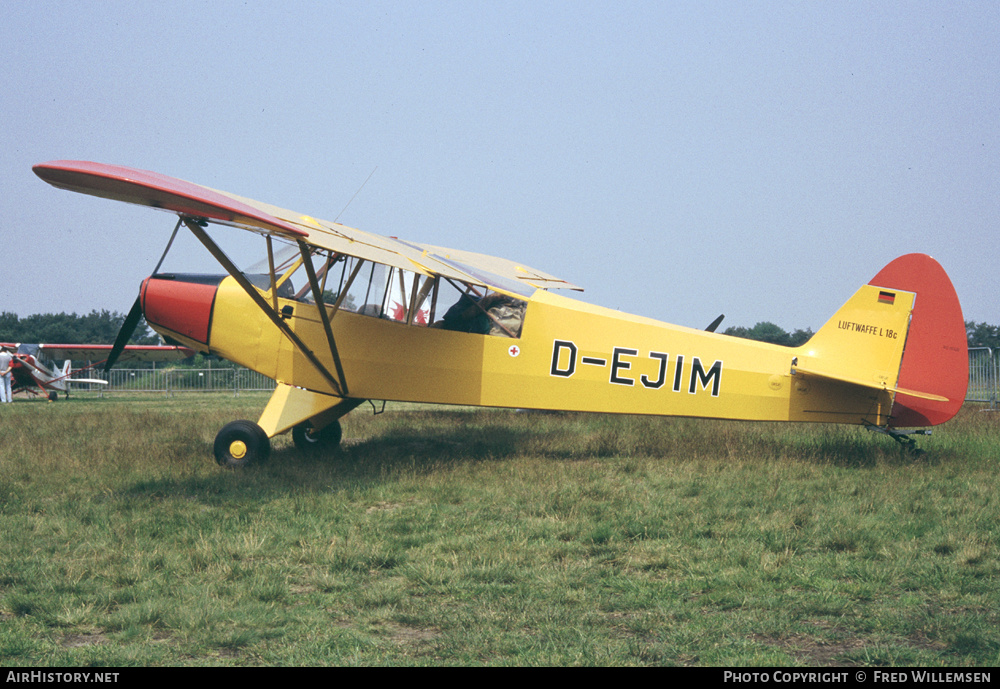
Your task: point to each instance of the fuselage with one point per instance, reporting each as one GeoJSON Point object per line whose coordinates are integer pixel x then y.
{"type": "Point", "coordinates": [569, 356]}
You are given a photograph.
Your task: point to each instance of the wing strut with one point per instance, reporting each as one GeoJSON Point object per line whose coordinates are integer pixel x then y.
{"type": "Point", "coordinates": [270, 271]}
{"type": "Point", "coordinates": [220, 256]}
{"type": "Point", "coordinates": [170, 243]}
{"type": "Point", "coordinates": [321, 307]}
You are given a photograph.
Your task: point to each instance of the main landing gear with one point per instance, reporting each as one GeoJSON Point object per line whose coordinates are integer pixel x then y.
{"type": "Point", "coordinates": [242, 443]}
{"type": "Point", "coordinates": [309, 439]}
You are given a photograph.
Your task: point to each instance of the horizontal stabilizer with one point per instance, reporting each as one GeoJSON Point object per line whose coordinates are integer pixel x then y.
{"type": "Point", "coordinates": [871, 384]}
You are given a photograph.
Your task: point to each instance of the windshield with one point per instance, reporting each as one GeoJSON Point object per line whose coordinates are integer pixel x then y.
{"type": "Point", "coordinates": [391, 293]}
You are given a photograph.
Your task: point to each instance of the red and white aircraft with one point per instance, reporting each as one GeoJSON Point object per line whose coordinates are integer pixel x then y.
{"type": "Point", "coordinates": [35, 373]}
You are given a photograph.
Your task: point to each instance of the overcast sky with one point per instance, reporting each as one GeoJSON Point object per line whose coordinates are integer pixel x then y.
{"type": "Point", "coordinates": [678, 160]}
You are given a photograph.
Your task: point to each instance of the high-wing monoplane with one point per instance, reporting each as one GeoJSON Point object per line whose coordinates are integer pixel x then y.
{"type": "Point", "coordinates": [351, 316]}
{"type": "Point", "coordinates": [35, 373]}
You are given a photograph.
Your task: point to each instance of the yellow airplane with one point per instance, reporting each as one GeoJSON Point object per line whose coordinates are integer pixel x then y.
{"type": "Point", "coordinates": [341, 316]}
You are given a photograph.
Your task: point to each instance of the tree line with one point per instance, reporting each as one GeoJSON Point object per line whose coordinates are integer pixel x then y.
{"type": "Point", "coordinates": [978, 334]}
{"type": "Point", "coordinates": [101, 327]}
{"type": "Point", "coordinates": [96, 327]}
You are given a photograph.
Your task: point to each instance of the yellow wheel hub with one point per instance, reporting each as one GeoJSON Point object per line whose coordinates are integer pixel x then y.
{"type": "Point", "coordinates": [238, 449]}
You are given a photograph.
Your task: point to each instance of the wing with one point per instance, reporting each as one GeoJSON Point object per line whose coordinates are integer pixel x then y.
{"type": "Point", "coordinates": [193, 200]}
{"type": "Point", "coordinates": [492, 267]}
{"type": "Point", "coordinates": [89, 352]}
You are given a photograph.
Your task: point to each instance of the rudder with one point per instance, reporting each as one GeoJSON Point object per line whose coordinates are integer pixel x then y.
{"type": "Point", "coordinates": [936, 356]}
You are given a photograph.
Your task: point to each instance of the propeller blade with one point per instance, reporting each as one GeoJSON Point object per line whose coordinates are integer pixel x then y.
{"type": "Point", "coordinates": [715, 324]}
{"type": "Point", "coordinates": [125, 334]}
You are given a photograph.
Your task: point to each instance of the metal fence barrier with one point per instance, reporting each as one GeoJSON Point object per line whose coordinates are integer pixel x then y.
{"type": "Point", "coordinates": [984, 375]}
{"type": "Point", "coordinates": [168, 381]}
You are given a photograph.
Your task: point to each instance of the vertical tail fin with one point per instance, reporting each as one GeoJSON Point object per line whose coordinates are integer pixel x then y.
{"type": "Point", "coordinates": [903, 333]}
{"type": "Point", "coordinates": [863, 343]}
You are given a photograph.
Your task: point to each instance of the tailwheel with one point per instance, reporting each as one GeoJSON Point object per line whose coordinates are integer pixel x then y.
{"type": "Point", "coordinates": [908, 443]}
{"type": "Point", "coordinates": [240, 444]}
{"type": "Point", "coordinates": [317, 441]}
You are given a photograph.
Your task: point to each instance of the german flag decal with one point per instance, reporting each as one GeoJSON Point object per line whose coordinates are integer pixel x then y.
{"type": "Point", "coordinates": [886, 297]}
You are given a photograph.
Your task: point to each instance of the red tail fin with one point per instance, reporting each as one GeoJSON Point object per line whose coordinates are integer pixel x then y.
{"type": "Point", "coordinates": [936, 357]}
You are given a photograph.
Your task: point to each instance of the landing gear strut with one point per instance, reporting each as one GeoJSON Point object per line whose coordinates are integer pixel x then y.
{"type": "Point", "coordinates": [240, 444]}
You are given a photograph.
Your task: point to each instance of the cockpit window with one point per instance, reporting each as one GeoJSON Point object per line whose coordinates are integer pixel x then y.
{"type": "Point", "coordinates": [404, 296]}
{"type": "Point", "coordinates": [31, 349]}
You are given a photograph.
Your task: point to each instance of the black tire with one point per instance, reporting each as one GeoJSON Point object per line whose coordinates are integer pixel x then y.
{"type": "Point", "coordinates": [240, 444]}
{"type": "Point", "coordinates": [323, 441]}
{"type": "Point", "coordinates": [53, 396]}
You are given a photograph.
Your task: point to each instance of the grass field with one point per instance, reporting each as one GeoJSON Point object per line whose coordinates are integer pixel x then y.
{"type": "Point", "coordinates": [467, 537]}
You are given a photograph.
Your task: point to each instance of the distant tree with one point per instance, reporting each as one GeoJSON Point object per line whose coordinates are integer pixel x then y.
{"type": "Point", "coordinates": [769, 332]}
{"type": "Point", "coordinates": [982, 335]}
{"type": "Point", "coordinates": [800, 337]}
{"type": "Point", "coordinates": [9, 323]}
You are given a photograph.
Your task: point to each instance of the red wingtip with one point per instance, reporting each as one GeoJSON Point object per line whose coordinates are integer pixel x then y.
{"type": "Point", "coordinates": [936, 358]}
{"type": "Point", "coordinates": [158, 191]}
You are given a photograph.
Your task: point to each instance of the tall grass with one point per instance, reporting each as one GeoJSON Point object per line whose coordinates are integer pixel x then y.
{"type": "Point", "coordinates": [455, 536]}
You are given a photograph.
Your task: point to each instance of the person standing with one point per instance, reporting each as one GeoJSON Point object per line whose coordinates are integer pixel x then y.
{"type": "Point", "coordinates": [5, 375]}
